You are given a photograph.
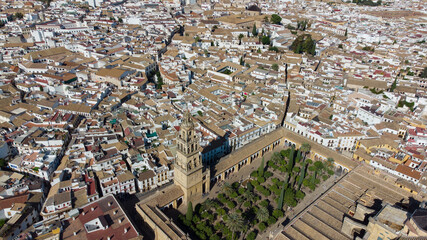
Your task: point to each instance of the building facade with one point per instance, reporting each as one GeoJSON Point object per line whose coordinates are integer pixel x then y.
{"type": "Point", "coordinates": [189, 172]}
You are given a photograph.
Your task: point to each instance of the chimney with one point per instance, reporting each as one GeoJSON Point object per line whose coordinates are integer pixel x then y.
{"type": "Point", "coordinates": [126, 230]}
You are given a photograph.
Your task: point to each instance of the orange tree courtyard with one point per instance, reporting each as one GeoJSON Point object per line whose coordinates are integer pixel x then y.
{"type": "Point", "coordinates": [243, 210]}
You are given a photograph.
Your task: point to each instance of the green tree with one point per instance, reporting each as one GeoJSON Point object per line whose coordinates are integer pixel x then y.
{"type": "Point", "coordinates": [276, 49]}
{"type": "Point", "coordinates": [249, 196]}
{"type": "Point", "coordinates": [302, 176]}
{"type": "Point", "coordinates": [250, 187]}
{"type": "Point", "coordinates": [265, 40]}
{"type": "Point", "coordinates": [3, 162]}
{"type": "Point", "coordinates": [299, 194]}
{"type": "Point", "coordinates": [19, 15]}
{"type": "Point", "coordinates": [281, 198]}
{"type": "Point", "coordinates": [120, 20]}
{"type": "Point", "coordinates": [189, 214]}
{"type": "Point", "coordinates": [262, 214]}
{"type": "Point", "coordinates": [227, 189]}
{"type": "Point", "coordinates": [159, 80]}
{"type": "Point", "coordinates": [251, 236]}
{"type": "Point", "coordinates": [235, 223]}
{"type": "Point", "coordinates": [304, 43]}
{"type": "Point", "coordinates": [275, 67]}
{"type": "Point", "coordinates": [319, 167]}
{"type": "Point", "coordinates": [345, 34]}
{"type": "Point", "coordinates": [298, 157]}
{"type": "Point", "coordinates": [289, 198]}
{"type": "Point", "coordinates": [312, 49]}
{"type": "Point", "coordinates": [261, 169]}
{"type": "Point", "coordinates": [277, 213]}
{"type": "Point", "coordinates": [276, 157]}
{"type": "Point", "coordinates": [276, 19]}
{"type": "Point", "coordinates": [330, 162]}
{"type": "Point", "coordinates": [291, 159]}
{"type": "Point", "coordinates": [423, 74]}
{"type": "Point", "coordinates": [215, 237]}
{"type": "Point", "coordinates": [2, 222]}
{"type": "Point", "coordinates": [242, 62]}
{"type": "Point", "coordinates": [298, 49]}
{"type": "Point", "coordinates": [393, 85]}
{"type": "Point", "coordinates": [240, 38]}
{"type": "Point", "coordinates": [262, 226]}
{"type": "Point", "coordinates": [305, 148]}
{"type": "Point", "coordinates": [208, 204]}
{"type": "Point", "coordinates": [254, 31]}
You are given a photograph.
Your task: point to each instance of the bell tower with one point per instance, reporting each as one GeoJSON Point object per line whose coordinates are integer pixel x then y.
{"type": "Point", "coordinates": [188, 163]}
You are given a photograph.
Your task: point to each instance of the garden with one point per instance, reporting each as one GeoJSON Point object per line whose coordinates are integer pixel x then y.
{"type": "Point", "coordinates": [244, 210]}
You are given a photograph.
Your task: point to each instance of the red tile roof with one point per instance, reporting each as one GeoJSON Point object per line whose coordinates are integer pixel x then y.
{"type": "Point", "coordinates": [408, 171]}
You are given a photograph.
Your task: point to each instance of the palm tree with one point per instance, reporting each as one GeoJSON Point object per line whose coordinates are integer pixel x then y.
{"type": "Point", "coordinates": [330, 162]}
{"type": "Point", "coordinates": [227, 189]}
{"type": "Point", "coordinates": [240, 200]}
{"type": "Point", "coordinates": [240, 38]}
{"type": "Point", "coordinates": [305, 148]}
{"type": "Point", "coordinates": [235, 223]}
{"type": "Point", "coordinates": [262, 214]}
{"type": "Point", "coordinates": [208, 204]}
{"type": "Point", "coordinates": [250, 196]}
{"type": "Point", "coordinates": [276, 157]}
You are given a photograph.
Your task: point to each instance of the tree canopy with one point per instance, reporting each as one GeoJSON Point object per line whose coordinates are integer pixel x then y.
{"type": "Point", "coordinates": [19, 15]}
{"type": "Point", "coordinates": [275, 67]}
{"type": "Point", "coordinates": [424, 73]}
{"type": "Point", "coordinates": [189, 214]}
{"type": "Point", "coordinates": [304, 43]}
{"type": "Point", "coordinates": [254, 31]}
{"type": "Point", "coordinates": [265, 40]}
{"type": "Point", "coordinates": [276, 19]}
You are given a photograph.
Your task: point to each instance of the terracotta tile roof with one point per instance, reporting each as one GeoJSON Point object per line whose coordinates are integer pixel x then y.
{"type": "Point", "coordinates": [9, 202]}
{"type": "Point", "coordinates": [408, 171]}
{"type": "Point", "coordinates": [108, 209]}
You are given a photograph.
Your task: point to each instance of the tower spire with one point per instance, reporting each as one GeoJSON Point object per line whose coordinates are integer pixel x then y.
{"type": "Point", "coordinates": [187, 121]}
{"type": "Point", "coordinates": [189, 173]}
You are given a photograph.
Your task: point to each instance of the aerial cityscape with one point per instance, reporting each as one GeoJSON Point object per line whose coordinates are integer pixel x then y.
{"type": "Point", "coordinates": [216, 120]}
